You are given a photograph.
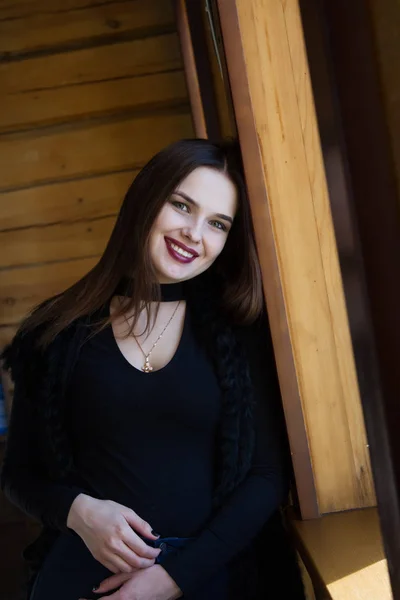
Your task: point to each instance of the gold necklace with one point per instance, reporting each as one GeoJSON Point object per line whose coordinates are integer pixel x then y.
{"type": "Point", "coordinates": [147, 368]}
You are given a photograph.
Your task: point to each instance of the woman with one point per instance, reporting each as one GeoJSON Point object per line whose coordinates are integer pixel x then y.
{"type": "Point", "coordinates": [135, 438]}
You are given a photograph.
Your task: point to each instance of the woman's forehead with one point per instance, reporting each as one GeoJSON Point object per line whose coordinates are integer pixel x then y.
{"type": "Point", "coordinates": [210, 189]}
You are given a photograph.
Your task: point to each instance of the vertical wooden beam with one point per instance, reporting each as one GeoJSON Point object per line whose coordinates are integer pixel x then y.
{"type": "Point", "coordinates": [191, 18]}
{"type": "Point", "coordinates": [189, 63]}
{"type": "Point", "coordinates": [360, 128]}
{"type": "Point", "coordinates": [278, 131]}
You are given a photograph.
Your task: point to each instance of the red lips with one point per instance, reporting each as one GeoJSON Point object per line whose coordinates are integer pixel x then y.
{"type": "Point", "coordinates": [178, 257]}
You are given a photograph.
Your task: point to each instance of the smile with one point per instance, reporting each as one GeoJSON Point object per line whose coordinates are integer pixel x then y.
{"type": "Point", "coordinates": [180, 252]}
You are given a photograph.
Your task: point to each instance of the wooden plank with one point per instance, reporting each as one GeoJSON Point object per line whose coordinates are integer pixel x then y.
{"type": "Point", "coordinates": [27, 160]}
{"type": "Point", "coordinates": [22, 289]}
{"type": "Point", "coordinates": [54, 106]}
{"type": "Point", "coordinates": [190, 69]}
{"type": "Point", "coordinates": [269, 256]}
{"type": "Point", "coordinates": [347, 553]}
{"type": "Point", "coordinates": [125, 59]}
{"type": "Point", "coordinates": [60, 242]}
{"type": "Point", "coordinates": [196, 15]}
{"type": "Point", "coordinates": [52, 29]}
{"type": "Point", "coordinates": [330, 263]}
{"type": "Point", "coordinates": [17, 9]}
{"type": "Point", "coordinates": [301, 271]}
{"type": "Point", "coordinates": [68, 201]}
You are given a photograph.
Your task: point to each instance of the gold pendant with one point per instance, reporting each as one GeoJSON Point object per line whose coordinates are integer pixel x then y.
{"type": "Point", "coordinates": [147, 368]}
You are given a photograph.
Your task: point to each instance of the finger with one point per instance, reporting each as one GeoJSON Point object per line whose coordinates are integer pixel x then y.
{"type": "Point", "coordinates": [134, 560]}
{"type": "Point", "coordinates": [112, 583]}
{"type": "Point", "coordinates": [114, 564]}
{"type": "Point", "coordinates": [140, 525]}
{"type": "Point", "coordinates": [139, 546]}
{"type": "Point", "coordinates": [118, 565]}
{"type": "Point", "coordinates": [124, 560]}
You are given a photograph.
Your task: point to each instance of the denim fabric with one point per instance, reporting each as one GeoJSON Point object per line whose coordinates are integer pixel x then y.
{"type": "Point", "coordinates": [168, 545]}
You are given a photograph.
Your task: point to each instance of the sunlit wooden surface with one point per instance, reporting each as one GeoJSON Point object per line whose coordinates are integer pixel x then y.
{"type": "Point", "coordinates": [346, 551]}
{"type": "Point", "coordinates": [292, 218]}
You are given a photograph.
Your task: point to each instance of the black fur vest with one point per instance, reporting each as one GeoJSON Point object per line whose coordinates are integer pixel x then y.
{"type": "Point", "coordinates": [44, 375]}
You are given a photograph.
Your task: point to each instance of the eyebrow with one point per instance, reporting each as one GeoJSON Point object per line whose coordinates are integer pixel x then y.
{"type": "Point", "coordinates": [194, 203]}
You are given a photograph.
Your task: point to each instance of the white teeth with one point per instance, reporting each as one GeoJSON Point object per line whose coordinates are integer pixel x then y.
{"type": "Point", "coordinates": [181, 251]}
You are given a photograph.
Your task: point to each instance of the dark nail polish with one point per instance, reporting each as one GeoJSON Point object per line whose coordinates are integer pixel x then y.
{"type": "Point", "coordinates": [155, 533]}
{"type": "Point", "coordinates": [95, 588]}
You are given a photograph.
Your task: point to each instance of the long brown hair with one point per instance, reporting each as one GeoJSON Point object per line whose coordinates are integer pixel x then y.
{"type": "Point", "coordinates": [127, 251]}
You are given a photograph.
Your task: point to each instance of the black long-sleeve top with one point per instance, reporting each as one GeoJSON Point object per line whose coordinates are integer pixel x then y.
{"type": "Point", "coordinates": [148, 442]}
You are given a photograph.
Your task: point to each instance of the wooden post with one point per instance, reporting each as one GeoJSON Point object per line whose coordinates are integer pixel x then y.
{"type": "Point", "coordinates": [189, 63]}
{"type": "Point", "coordinates": [282, 156]}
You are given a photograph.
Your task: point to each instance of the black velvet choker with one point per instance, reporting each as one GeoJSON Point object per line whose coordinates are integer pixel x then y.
{"type": "Point", "coordinates": [170, 292]}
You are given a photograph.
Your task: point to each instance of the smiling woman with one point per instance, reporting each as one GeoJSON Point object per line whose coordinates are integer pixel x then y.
{"type": "Point", "coordinates": [139, 406]}
{"type": "Point", "coordinates": [189, 230]}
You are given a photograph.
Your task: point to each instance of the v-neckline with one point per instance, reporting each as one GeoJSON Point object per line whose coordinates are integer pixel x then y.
{"type": "Point", "coordinates": [168, 364]}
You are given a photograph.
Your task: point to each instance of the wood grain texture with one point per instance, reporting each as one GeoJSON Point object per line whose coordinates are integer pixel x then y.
{"type": "Point", "coordinates": [67, 201]}
{"type": "Point", "coordinates": [22, 289]}
{"type": "Point", "coordinates": [190, 69]}
{"type": "Point", "coordinates": [346, 550]}
{"type": "Point", "coordinates": [124, 59]}
{"type": "Point", "coordinates": [17, 9]}
{"type": "Point", "coordinates": [47, 29]}
{"type": "Point", "coordinates": [144, 93]}
{"type": "Point", "coordinates": [303, 240]}
{"type": "Point", "coordinates": [90, 91]}
{"type": "Point", "coordinates": [31, 159]}
{"type": "Point", "coordinates": [269, 260]}
{"type": "Point", "coordinates": [62, 241]}
{"type": "Point", "coordinates": [343, 354]}
{"type": "Point", "coordinates": [220, 77]}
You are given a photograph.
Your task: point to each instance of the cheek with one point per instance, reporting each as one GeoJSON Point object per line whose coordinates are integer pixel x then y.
{"type": "Point", "coordinates": [215, 245]}
{"type": "Point", "coordinates": [159, 223]}
{"type": "Point", "coordinates": [168, 220]}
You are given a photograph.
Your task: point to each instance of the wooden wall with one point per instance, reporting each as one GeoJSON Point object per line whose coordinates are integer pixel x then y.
{"type": "Point", "coordinates": [89, 91]}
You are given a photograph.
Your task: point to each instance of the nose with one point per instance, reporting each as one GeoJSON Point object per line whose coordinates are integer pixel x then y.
{"type": "Point", "coordinates": [193, 233]}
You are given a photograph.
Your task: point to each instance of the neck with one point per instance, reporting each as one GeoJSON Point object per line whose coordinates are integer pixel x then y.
{"type": "Point", "coordinates": [170, 292]}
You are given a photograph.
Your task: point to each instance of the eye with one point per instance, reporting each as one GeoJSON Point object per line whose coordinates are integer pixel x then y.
{"type": "Point", "coordinates": [180, 205]}
{"type": "Point", "coordinates": [219, 225]}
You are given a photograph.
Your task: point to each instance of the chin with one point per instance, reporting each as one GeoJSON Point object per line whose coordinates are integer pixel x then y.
{"type": "Point", "coordinates": [174, 276]}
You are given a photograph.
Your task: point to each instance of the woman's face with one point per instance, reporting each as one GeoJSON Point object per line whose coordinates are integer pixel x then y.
{"type": "Point", "coordinates": [192, 227]}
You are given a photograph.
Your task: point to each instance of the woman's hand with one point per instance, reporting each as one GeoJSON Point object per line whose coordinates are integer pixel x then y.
{"type": "Point", "coordinates": [147, 584]}
{"type": "Point", "coordinates": [110, 531]}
